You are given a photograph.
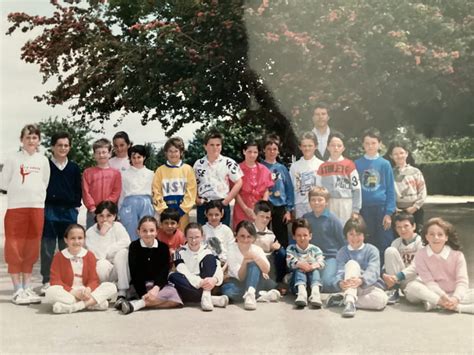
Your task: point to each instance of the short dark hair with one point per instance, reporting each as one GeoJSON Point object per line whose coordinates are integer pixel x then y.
{"type": "Point", "coordinates": [300, 223]}
{"type": "Point", "coordinates": [336, 135]}
{"type": "Point", "coordinates": [248, 226]}
{"type": "Point", "coordinates": [170, 213]}
{"type": "Point", "coordinates": [123, 135]}
{"type": "Point", "coordinates": [138, 149]}
{"type": "Point", "coordinates": [212, 134]}
{"type": "Point", "coordinates": [193, 225]}
{"type": "Point", "coordinates": [403, 216]}
{"type": "Point", "coordinates": [272, 138]}
{"type": "Point", "coordinates": [356, 223]}
{"type": "Point", "coordinates": [321, 105]}
{"type": "Point", "coordinates": [74, 226]}
{"type": "Point", "coordinates": [107, 205]}
{"type": "Point", "coordinates": [372, 133]}
{"type": "Point", "coordinates": [309, 135]}
{"type": "Point", "coordinates": [147, 219]}
{"type": "Point", "coordinates": [214, 204]}
{"type": "Point", "coordinates": [60, 135]}
{"type": "Point", "coordinates": [250, 142]}
{"type": "Point", "coordinates": [263, 206]}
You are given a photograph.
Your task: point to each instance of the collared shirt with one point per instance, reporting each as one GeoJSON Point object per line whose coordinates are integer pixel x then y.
{"type": "Point", "coordinates": [265, 239]}
{"type": "Point", "coordinates": [58, 164]}
{"type": "Point", "coordinates": [359, 248]}
{"type": "Point", "coordinates": [444, 252]}
{"type": "Point", "coordinates": [155, 244]}
{"type": "Point", "coordinates": [77, 264]}
{"type": "Point", "coordinates": [322, 139]}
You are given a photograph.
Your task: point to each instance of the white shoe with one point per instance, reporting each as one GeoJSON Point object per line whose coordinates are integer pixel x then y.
{"type": "Point", "coordinates": [102, 306]}
{"type": "Point", "coordinates": [20, 297]}
{"type": "Point", "coordinates": [32, 296]}
{"type": "Point", "coordinates": [269, 296]}
{"type": "Point", "coordinates": [62, 308]}
{"type": "Point", "coordinates": [220, 301]}
{"type": "Point", "coordinates": [250, 304]}
{"type": "Point", "coordinates": [206, 302]}
{"type": "Point", "coordinates": [301, 299]}
{"type": "Point", "coordinates": [44, 288]}
{"type": "Point", "coordinates": [315, 299]}
{"type": "Point", "coordinates": [429, 306]}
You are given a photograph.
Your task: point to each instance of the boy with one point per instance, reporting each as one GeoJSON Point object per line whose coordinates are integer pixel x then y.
{"type": "Point", "coordinates": [358, 272]}
{"type": "Point", "coordinates": [282, 195]}
{"type": "Point", "coordinates": [305, 260]}
{"type": "Point", "coordinates": [217, 231]}
{"type": "Point", "coordinates": [169, 233]}
{"type": "Point", "coordinates": [101, 182]}
{"type": "Point", "coordinates": [303, 173]}
{"type": "Point", "coordinates": [399, 266]}
{"type": "Point", "coordinates": [214, 173]}
{"type": "Point", "coordinates": [326, 234]}
{"type": "Point", "coordinates": [339, 175]}
{"type": "Point", "coordinates": [268, 241]}
{"type": "Point", "coordinates": [63, 199]}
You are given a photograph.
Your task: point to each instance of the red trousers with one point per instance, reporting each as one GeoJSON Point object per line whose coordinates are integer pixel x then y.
{"type": "Point", "coordinates": [23, 230]}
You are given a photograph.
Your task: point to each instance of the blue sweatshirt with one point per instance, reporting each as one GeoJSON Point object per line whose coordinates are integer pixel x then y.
{"type": "Point", "coordinates": [282, 192]}
{"type": "Point", "coordinates": [326, 232]}
{"type": "Point", "coordinates": [378, 186]}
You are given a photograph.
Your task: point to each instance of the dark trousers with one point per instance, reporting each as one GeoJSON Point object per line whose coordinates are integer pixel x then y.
{"type": "Point", "coordinates": [279, 228]}
{"type": "Point", "coordinates": [53, 232]}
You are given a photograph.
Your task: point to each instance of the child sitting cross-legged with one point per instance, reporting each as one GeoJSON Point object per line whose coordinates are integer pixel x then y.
{"type": "Point", "coordinates": [304, 260]}
{"type": "Point", "coordinates": [74, 281]}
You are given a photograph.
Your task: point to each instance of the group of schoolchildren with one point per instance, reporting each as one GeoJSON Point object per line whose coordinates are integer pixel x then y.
{"type": "Point", "coordinates": [341, 242]}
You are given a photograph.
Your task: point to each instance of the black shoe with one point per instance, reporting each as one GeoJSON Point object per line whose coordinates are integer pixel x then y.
{"type": "Point", "coordinates": [335, 300]}
{"type": "Point", "coordinates": [394, 297]}
{"type": "Point", "coordinates": [127, 307]}
{"type": "Point", "coordinates": [118, 303]}
{"type": "Point", "coordinates": [349, 310]}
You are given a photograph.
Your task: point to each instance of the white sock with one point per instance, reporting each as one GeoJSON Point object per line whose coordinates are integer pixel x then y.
{"type": "Point", "coordinates": [122, 293]}
{"type": "Point", "coordinates": [251, 290]}
{"type": "Point", "coordinates": [78, 306]}
{"type": "Point", "coordinates": [302, 290]}
{"type": "Point", "coordinates": [465, 308]}
{"type": "Point", "coordinates": [138, 304]}
{"type": "Point", "coordinates": [315, 290]}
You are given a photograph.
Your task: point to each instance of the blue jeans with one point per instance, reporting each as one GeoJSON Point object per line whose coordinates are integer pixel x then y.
{"type": "Point", "coordinates": [132, 210]}
{"type": "Point", "coordinates": [328, 275]}
{"type": "Point", "coordinates": [299, 277]}
{"type": "Point", "coordinates": [202, 219]}
{"type": "Point", "coordinates": [235, 289]}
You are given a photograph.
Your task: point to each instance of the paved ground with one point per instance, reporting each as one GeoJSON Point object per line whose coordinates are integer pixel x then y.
{"type": "Point", "coordinates": [272, 328]}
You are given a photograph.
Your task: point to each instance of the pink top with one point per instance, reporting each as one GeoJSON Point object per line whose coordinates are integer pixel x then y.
{"type": "Point", "coordinates": [255, 182]}
{"type": "Point", "coordinates": [443, 273]}
{"type": "Point", "coordinates": [99, 185]}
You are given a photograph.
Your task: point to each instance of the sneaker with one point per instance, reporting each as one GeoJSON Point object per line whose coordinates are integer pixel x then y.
{"type": "Point", "coordinates": [43, 289]}
{"type": "Point", "coordinates": [32, 296]}
{"type": "Point", "coordinates": [393, 296]}
{"type": "Point", "coordinates": [269, 296]}
{"type": "Point", "coordinates": [102, 306]}
{"type": "Point", "coordinates": [349, 310]}
{"type": "Point", "coordinates": [62, 308]}
{"type": "Point", "coordinates": [118, 302]}
{"type": "Point", "coordinates": [250, 304]}
{"type": "Point", "coordinates": [20, 297]}
{"type": "Point", "coordinates": [302, 299]}
{"type": "Point", "coordinates": [126, 307]}
{"type": "Point", "coordinates": [220, 301]}
{"type": "Point", "coordinates": [206, 302]}
{"type": "Point", "coordinates": [335, 300]}
{"type": "Point", "coordinates": [315, 300]}
{"type": "Point", "coordinates": [429, 306]}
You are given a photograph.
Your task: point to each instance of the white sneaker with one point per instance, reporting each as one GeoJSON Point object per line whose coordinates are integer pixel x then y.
{"type": "Point", "coordinates": [250, 304]}
{"type": "Point", "coordinates": [20, 297]}
{"type": "Point", "coordinates": [301, 299]}
{"type": "Point", "coordinates": [269, 296]}
{"type": "Point", "coordinates": [220, 301]}
{"type": "Point", "coordinates": [102, 306]}
{"type": "Point", "coordinates": [206, 302]}
{"type": "Point", "coordinates": [32, 296]}
{"type": "Point", "coordinates": [315, 299]}
{"type": "Point", "coordinates": [44, 288]}
{"type": "Point", "coordinates": [62, 308]}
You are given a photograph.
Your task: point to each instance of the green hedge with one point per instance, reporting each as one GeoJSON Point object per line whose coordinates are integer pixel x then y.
{"type": "Point", "coordinates": [454, 177]}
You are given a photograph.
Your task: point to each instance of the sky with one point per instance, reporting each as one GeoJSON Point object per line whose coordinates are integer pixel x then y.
{"type": "Point", "coordinates": [20, 82]}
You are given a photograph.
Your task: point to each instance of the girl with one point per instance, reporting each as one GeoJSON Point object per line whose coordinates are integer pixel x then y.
{"type": "Point", "coordinates": [136, 191]}
{"type": "Point", "coordinates": [120, 160]}
{"type": "Point", "coordinates": [248, 270]}
{"type": "Point", "coordinates": [410, 188]}
{"type": "Point", "coordinates": [149, 262]}
{"type": "Point", "coordinates": [443, 282]}
{"type": "Point", "coordinates": [174, 183]}
{"type": "Point", "coordinates": [25, 176]}
{"type": "Point", "coordinates": [75, 284]}
{"type": "Point", "coordinates": [256, 182]}
{"type": "Point", "coordinates": [303, 173]}
{"type": "Point", "coordinates": [198, 271]}
{"type": "Point", "coordinates": [109, 241]}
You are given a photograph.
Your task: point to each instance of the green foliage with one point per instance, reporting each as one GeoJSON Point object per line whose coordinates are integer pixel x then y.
{"type": "Point", "coordinates": [450, 177]}
{"type": "Point", "coordinates": [445, 149]}
{"type": "Point", "coordinates": [153, 161]}
{"type": "Point", "coordinates": [81, 148]}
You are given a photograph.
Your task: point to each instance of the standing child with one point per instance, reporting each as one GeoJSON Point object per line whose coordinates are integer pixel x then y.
{"type": "Point", "coordinates": [74, 282]}
{"type": "Point", "coordinates": [378, 192]}
{"type": "Point", "coordinates": [443, 281]}
{"type": "Point", "coordinates": [326, 234]}
{"type": "Point", "coordinates": [101, 182]}
{"type": "Point", "coordinates": [358, 272]}
{"type": "Point", "coordinates": [198, 271]}
{"type": "Point", "coordinates": [215, 229]}
{"type": "Point", "coordinates": [109, 241]}
{"type": "Point", "coordinates": [169, 232]}
{"type": "Point", "coordinates": [136, 191]}
{"type": "Point", "coordinates": [248, 270]}
{"type": "Point", "coordinates": [63, 199]}
{"type": "Point", "coordinates": [303, 173]}
{"type": "Point", "coordinates": [120, 160]}
{"type": "Point", "coordinates": [282, 194]}
{"type": "Point", "coordinates": [340, 177]}
{"type": "Point", "coordinates": [149, 262]}
{"type": "Point", "coordinates": [399, 265]}
{"type": "Point", "coordinates": [305, 260]}
{"type": "Point", "coordinates": [174, 184]}
{"type": "Point", "coordinates": [410, 187]}
{"type": "Point", "coordinates": [214, 173]}
{"type": "Point", "coordinates": [26, 176]}
{"type": "Point", "coordinates": [256, 181]}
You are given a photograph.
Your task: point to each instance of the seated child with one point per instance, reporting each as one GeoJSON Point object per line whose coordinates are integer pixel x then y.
{"type": "Point", "coordinates": [109, 241]}
{"type": "Point", "coordinates": [248, 270]}
{"type": "Point", "coordinates": [149, 262]}
{"type": "Point", "coordinates": [217, 232]}
{"type": "Point", "coordinates": [442, 281]}
{"type": "Point", "coordinates": [168, 232]}
{"type": "Point", "coordinates": [198, 271]}
{"type": "Point", "coordinates": [304, 260]}
{"type": "Point", "coordinates": [268, 241]}
{"type": "Point", "coordinates": [358, 272]}
{"type": "Point", "coordinates": [399, 266]}
{"type": "Point", "coordinates": [74, 281]}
